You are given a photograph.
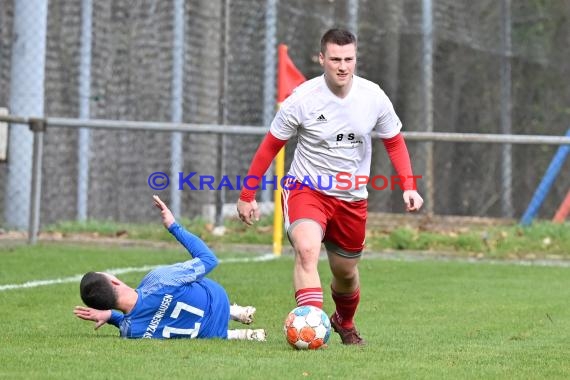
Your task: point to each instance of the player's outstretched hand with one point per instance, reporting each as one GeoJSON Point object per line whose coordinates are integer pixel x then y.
{"type": "Point", "coordinates": [100, 317]}
{"type": "Point", "coordinates": [248, 211]}
{"type": "Point", "coordinates": [413, 200]}
{"type": "Point", "coordinates": [167, 217]}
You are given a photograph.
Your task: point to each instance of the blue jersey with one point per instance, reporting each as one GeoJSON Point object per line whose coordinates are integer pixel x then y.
{"type": "Point", "coordinates": [177, 301]}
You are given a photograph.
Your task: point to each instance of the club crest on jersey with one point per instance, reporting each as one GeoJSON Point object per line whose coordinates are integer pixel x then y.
{"type": "Point", "coordinates": [322, 119]}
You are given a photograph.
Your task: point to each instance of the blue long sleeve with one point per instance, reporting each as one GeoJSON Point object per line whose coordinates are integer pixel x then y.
{"type": "Point", "coordinates": [116, 318]}
{"type": "Point", "coordinates": [195, 246]}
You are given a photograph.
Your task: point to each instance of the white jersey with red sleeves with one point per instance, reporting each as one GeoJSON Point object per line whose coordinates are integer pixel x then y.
{"type": "Point", "coordinates": [334, 133]}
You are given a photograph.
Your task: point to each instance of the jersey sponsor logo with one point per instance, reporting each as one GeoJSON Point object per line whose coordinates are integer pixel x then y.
{"type": "Point", "coordinates": [346, 140]}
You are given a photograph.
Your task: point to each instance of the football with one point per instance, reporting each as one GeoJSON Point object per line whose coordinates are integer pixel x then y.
{"type": "Point", "coordinates": [307, 328]}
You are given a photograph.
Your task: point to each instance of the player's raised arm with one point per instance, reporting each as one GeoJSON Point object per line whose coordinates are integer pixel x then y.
{"type": "Point", "coordinates": [167, 217]}
{"type": "Point", "coordinates": [193, 244]}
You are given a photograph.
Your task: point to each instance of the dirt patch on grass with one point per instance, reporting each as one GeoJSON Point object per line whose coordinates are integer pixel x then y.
{"type": "Point", "coordinates": [385, 222]}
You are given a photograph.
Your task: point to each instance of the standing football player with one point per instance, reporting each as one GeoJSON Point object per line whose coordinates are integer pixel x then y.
{"type": "Point", "coordinates": [174, 301]}
{"type": "Point", "coordinates": [333, 116]}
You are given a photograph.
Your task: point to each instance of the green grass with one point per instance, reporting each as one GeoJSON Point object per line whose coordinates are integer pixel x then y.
{"type": "Point", "coordinates": [422, 320]}
{"type": "Point", "coordinates": [540, 240]}
{"type": "Point", "coordinates": [238, 232]}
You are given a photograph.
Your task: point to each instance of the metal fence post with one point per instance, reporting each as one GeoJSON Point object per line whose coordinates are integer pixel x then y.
{"type": "Point", "coordinates": [27, 77]}
{"type": "Point", "coordinates": [38, 127]}
{"type": "Point", "coordinates": [83, 145]}
{"type": "Point", "coordinates": [176, 104]}
{"type": "Point", "coordinates": [427, 73]}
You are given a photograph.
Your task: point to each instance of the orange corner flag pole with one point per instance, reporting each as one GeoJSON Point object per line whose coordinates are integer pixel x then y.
{"type": "Point", "coordinates": [563, 210]}
{"type": "Point", "coordinates": [288, 77]}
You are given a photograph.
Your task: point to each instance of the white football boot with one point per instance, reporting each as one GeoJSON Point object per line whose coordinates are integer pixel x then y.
{"type": "Point", "coordinates": [259, 335]}
{"type": "Point", "coordinates": [243, 314]}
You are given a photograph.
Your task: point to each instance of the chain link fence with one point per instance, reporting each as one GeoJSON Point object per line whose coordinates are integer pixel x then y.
{"type": "Point", "coordinates": [127, 61]}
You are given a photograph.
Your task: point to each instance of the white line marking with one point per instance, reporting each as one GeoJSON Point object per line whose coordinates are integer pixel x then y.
{"type": "Point", "coordinates": [115, 271]}
{"type": "Point", "coordinates": [270, 256]}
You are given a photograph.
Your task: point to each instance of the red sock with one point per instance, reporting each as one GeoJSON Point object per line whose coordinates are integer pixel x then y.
{"type": "Point", "coordinates": [346, 305]}
{"type": "Point", "coordinates": [309, 296]}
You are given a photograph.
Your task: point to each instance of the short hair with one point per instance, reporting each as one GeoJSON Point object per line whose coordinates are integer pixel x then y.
{"type": "Point", "coordinates": [97, 291]}
{"type": "Point", "coordinates": [337, 36]}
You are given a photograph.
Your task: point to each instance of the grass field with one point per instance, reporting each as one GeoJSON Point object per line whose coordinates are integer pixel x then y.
{"type": "Point", "coordinates": [423, 319]}
{"type": "Point", "coordinates": [499, 240]}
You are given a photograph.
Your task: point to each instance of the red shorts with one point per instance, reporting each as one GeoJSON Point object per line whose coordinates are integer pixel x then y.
{"type": "Point", "coordinates": [343, 223]}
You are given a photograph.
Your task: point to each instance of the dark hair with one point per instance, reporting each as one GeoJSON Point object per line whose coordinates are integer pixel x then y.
{"type": "Point", "coordinates": [337, 36]}
{"type": "Point", "coordinates": [97, 291]}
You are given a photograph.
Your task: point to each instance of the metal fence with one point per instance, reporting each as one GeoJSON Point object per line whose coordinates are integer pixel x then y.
{"type": "Point", "coordinates": [197, 183]}
{"type": "Point", "coordinates": [486, 67]}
